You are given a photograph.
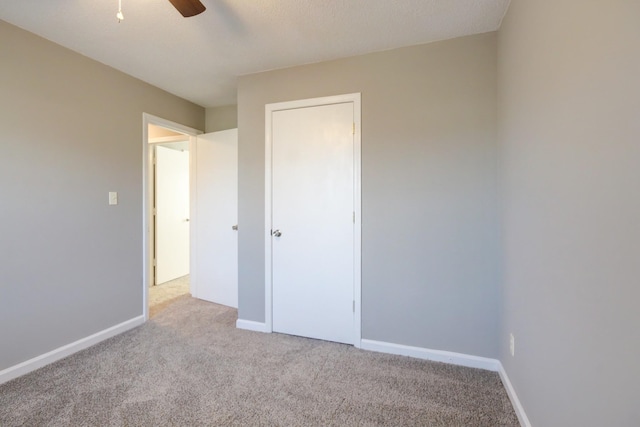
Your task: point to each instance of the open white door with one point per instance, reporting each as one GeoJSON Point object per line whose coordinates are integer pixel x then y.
{"type": "Point", "coordinates": [216, 235]}
{"type": "Point", "coordinates": [172, 214]}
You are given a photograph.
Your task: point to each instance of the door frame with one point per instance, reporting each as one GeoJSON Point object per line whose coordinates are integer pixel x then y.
{"type": "Point", "coordinates": [147, 199]}
{"type": "Point", "coordinates": [357, 291]}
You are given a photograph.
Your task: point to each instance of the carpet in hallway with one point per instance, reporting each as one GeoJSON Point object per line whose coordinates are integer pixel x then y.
{"type": "Point", "coordinates": [160, 296]}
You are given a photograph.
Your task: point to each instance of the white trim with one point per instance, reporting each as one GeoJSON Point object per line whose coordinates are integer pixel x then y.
{"type": "Point", "coordinates": [193, 216]}
{"type": "Point", "coordinates": [147, 198]}
{"type": "Point", "coordinates": [250, 325]}
{"type": "Point", "coordinates": [459, 359]}
{"type": "Point", "coordinates": [268, 277]}
{"type": "Point", "coordinates": [433, 355]}
{"type": "Point", "coordinates": [354, 98]}
{"type": "Point", "coordinates": [67, 350]}
{"type": "Point", "coordinates": [169, 139]}
{"type": "Point", "coordinates": [357, 207]}
{"type": "Point", "coordinates": [168, 124]}
{"type": "Point", "coordinates": [513, 397]}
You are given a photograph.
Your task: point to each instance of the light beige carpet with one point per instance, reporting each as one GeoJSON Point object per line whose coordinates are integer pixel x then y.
{"type": "Point", "coordinates": [190, 366]}
{"type": "Point", "coordinates": [160, 296]}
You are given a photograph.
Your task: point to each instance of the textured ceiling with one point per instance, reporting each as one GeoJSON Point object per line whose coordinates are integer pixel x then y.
{"type": "Point", "coordinates": [199, 58]}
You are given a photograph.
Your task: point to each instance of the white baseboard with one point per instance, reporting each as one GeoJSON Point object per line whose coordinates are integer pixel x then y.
{"type": "Point", "coordinates": [67, 350]}
{"type": "Point", "coordinates": [511, 392]}
{"type": "Point", "coordinates": [250, 325]}
{"type": "Point", "coordinates": [455, 359]}
{"type": "Point", "coordinates": [434, 355]}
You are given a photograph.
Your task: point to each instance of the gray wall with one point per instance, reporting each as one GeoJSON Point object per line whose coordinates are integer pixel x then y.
{"type": "Point", "coordinates": [569, 124]}
{"type": "Point", "coordinates": [221, 118]}
{"type": "Point", "coordinates": [429, 189]}
{"type": "Point", "coordinates": [71, 131]}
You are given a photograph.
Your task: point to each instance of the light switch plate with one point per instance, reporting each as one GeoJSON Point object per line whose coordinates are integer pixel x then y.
{"type": "Point", "coordinates": [512, 344]}
{"type": "Point", "coordinates": [113, 197]}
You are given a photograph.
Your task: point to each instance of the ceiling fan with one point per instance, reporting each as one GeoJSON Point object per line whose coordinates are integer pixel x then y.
{"type": "Point", "coordinates": [188, 7]}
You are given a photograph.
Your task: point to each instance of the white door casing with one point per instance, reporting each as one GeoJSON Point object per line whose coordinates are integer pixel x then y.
{"type": "Point", "coordinates": [172, 214]}
{"type": "Point", "coordinates": [313, 201]}
{"type": "Point", "coordinates": [147, 201]}
{"type": "Point", "coordinates": [216, 240]}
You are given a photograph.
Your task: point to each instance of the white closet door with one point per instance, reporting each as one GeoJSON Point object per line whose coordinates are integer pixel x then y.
{"type": "Point", "coordinates": [313, 222]}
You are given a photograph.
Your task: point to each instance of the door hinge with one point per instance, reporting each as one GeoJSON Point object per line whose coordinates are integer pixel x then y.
{"type": "Point", "coordinates": [354, 306]}
{"type": "Point", "coordinates": [155, 211]}
{"type": "Point", "coordinates": [154, 262]}
{"type": "Point", "coordinates": [354, 129]}
{"type": "Point", "coordinates": [354, 217]}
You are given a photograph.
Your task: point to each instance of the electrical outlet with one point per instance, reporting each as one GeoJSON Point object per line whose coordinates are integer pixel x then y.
{"type": "Point", "coordinates": [512, 344]}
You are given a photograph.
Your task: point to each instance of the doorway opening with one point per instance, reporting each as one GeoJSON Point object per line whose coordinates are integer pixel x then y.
{"type": "Point", "coordinates": [168, 201]}
{"type": "Point", "coordinates": [170, 217]}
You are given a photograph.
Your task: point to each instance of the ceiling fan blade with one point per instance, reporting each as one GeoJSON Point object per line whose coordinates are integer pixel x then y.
{"type": "Point", "coordinates": [188, 7]}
